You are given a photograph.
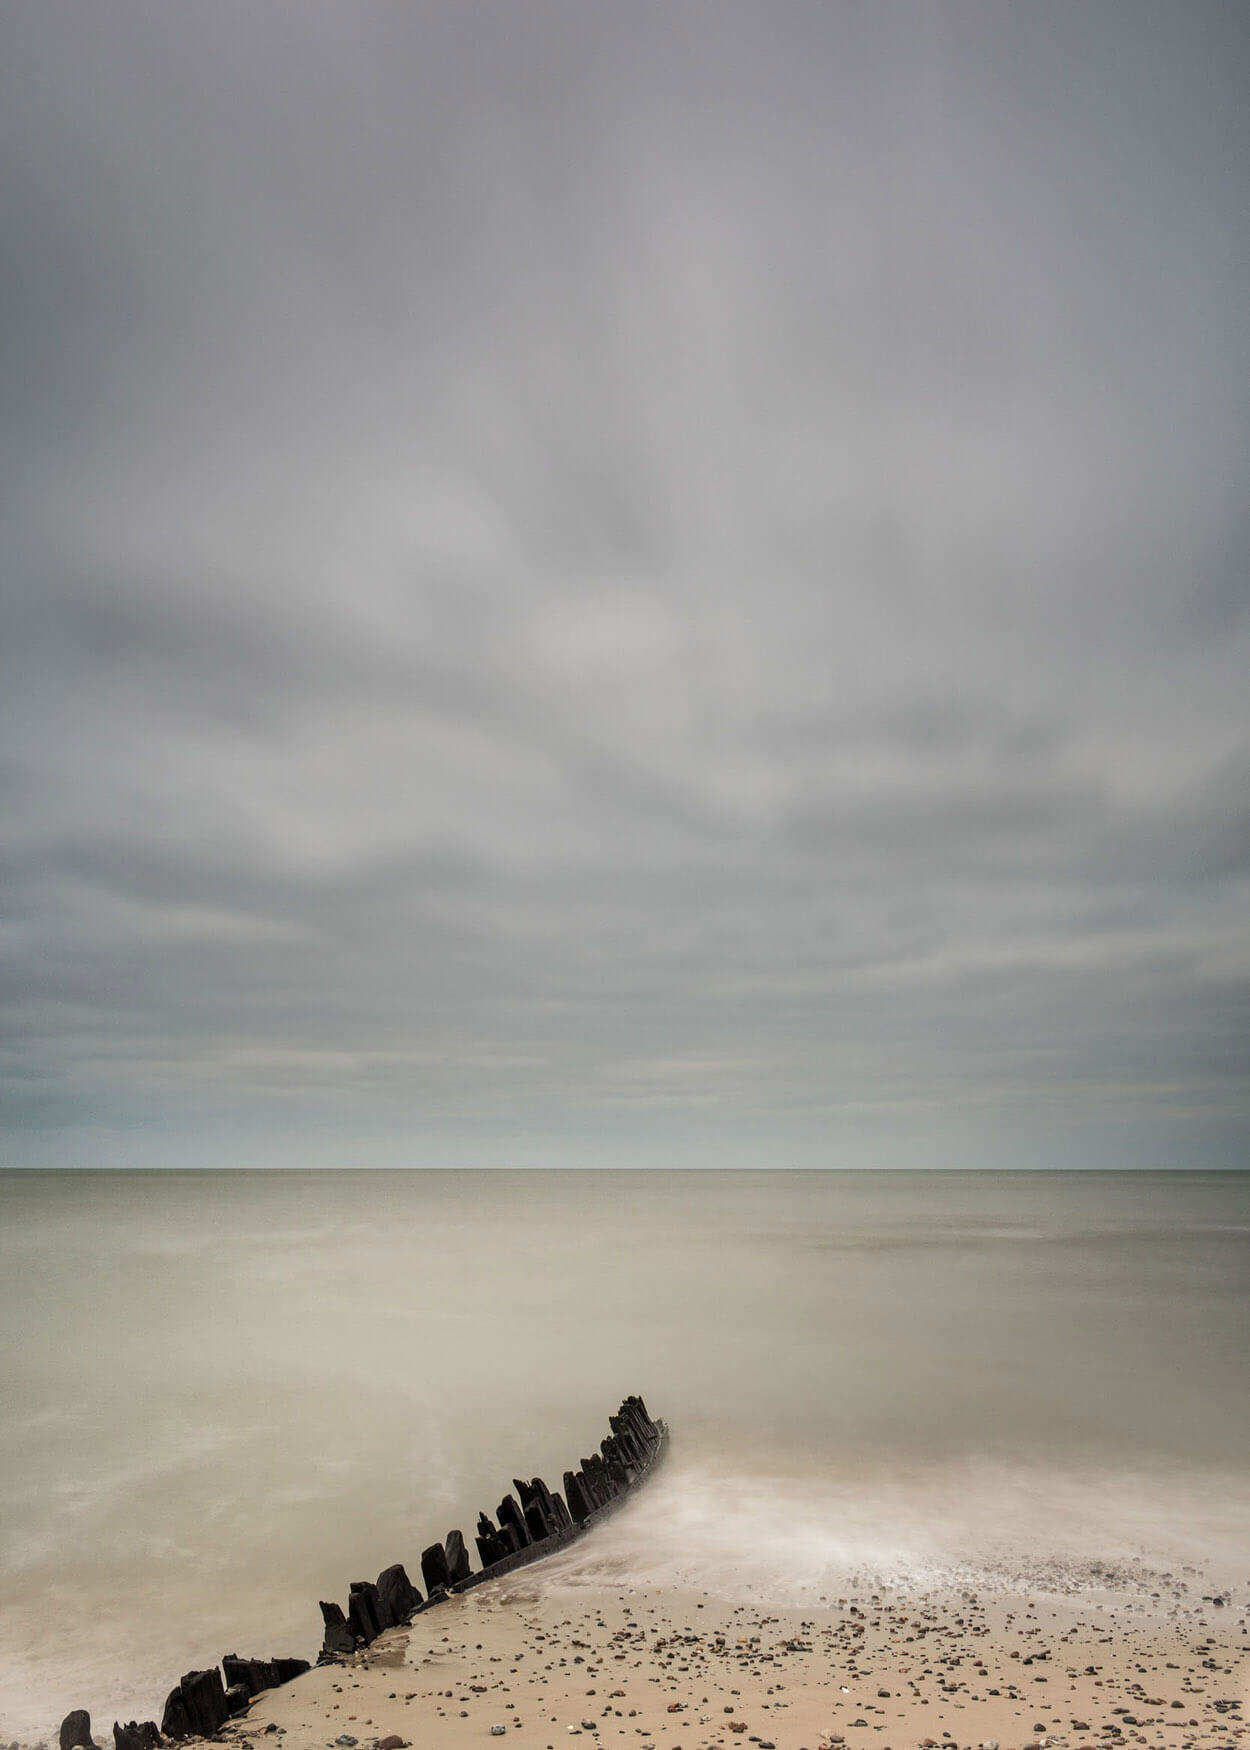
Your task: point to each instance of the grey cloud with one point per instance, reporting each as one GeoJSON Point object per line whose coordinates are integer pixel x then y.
{"type": "Point", "coordinates": [632, 583]}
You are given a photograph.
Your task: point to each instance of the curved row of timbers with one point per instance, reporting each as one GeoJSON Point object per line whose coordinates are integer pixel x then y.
{"type": "Point", "coordinates": [534, 1523]}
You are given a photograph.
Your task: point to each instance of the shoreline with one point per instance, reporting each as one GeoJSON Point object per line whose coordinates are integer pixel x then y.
{"type": "Point", "coordinates": [1072, 1653]}
{"type": "Point", "coordinates": [1092, 1656]}
{"type": "Point", "coordinates": [669, 1670]}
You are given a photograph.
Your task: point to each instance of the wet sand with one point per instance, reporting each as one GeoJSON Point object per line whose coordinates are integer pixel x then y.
{"type": "Point", "coordinates": [665, 1670]}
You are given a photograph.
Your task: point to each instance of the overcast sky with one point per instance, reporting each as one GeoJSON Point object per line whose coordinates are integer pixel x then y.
{"type": "Point", "coordinates": [625, 583]}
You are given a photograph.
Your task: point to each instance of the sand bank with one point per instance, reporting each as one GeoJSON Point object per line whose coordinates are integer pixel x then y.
{"type": "Point", "coordinates": [678, 1672]}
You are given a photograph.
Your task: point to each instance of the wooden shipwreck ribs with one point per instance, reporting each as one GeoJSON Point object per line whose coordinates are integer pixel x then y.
{"type": "Point", "coordinates": [533, 1523]}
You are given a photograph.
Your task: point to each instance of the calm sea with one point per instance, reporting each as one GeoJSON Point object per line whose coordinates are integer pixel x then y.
{"type": "Point", "coordinates": [227, 1395]}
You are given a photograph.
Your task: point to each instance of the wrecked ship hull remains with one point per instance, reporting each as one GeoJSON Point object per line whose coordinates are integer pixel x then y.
{"type": "Point", "coordinates": [534, 1523]}
{"type": "Point", "coordinates": [529, 1525]}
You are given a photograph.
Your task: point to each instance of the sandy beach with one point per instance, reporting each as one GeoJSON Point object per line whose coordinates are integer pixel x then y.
{"type": "Point", "coordinates": [673, 1671]}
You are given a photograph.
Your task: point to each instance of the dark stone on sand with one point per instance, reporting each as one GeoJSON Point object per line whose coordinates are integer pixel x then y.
{"type": "Point", "coordinates": [338, 1636]}
{"type": "Point", "coordinates": [457, 1557]}
{"type": "Point", "coordinates": [289, 1669]}
{"type": "Point", "coordinates": [397, 1593]}
{"type": "Point", "coordinates": [434, 1568]}
{"type": "Point", "coordinates": [76, 1729]}
{"type": "Point", "coordinates": [564, 1518]}
{"type": "Point", "coordinates": [136, 1735]}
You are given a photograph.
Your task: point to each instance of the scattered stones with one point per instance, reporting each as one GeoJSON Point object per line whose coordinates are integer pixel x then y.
{"type": "Point", "coordinates": [931, 1658]}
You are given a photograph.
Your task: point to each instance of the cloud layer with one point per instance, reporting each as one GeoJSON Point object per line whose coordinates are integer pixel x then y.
{"type": "Point", "coordinates": [625, 584]}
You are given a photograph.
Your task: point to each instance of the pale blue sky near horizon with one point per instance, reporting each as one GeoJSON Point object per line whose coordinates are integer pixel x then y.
{"type": "Point", "coordinates": [111, 1170]}
{"type": "Point", "coordinates": [628, 585]}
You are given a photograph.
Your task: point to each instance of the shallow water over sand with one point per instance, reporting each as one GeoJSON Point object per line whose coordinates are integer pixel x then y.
{"type": "Point", "coordinates": [227, 1395]}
